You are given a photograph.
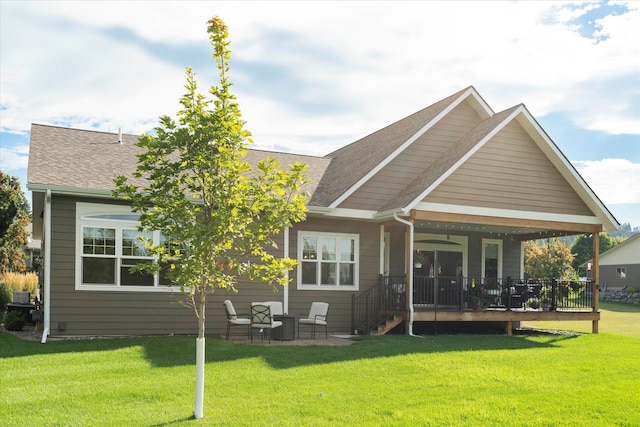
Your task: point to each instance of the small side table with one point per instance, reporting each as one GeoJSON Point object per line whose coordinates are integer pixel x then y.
{"type": "Point", "coordinates": [287, 332]}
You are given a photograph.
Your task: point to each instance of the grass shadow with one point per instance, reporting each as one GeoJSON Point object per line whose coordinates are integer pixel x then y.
{"type": "Point", "coordinates": [164, 352]}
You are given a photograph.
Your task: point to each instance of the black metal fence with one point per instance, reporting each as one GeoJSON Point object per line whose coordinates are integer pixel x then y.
{"type": "Point", "coordinates": [372, 307]}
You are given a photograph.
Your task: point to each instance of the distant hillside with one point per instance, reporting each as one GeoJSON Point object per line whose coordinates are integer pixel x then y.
{"type": "Point", "coordinates": [625, 231]}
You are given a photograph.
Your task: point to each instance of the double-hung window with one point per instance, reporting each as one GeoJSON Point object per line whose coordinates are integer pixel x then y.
{"type": "Point", "coordinates": [327, 261]}
{"type": "Point", "coordinates": [109, 245]}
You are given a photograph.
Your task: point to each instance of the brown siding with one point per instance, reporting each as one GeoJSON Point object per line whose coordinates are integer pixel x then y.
{"type": "Point", "coordinates": [339, 301]}
{"type": "Point", "coordinates": [148, 313]}
{"type": "Point", "coordinates": [510, 172]}
{"type": "Point", "coordinates": [393, 178]}
{"type": "Point", "coordinates": [102, 313]}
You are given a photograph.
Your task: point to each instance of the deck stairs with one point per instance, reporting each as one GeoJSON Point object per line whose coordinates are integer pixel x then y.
{"type": "Point", "coordinates": [389, 324]}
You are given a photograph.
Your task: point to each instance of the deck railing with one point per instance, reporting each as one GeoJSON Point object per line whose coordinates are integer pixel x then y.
{"type": "Point", "coordinates": [388, 296]}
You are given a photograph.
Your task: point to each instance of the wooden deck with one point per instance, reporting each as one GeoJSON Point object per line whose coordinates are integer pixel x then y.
{"type": "Point", "coordinates": [507, 316]}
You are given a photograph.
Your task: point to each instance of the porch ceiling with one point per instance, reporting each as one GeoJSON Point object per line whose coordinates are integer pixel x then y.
{"type": "Point", "coordinates": [517, 232]}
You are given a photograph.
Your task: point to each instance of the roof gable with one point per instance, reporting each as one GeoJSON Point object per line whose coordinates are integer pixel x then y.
{"type": "Point", "coordinates": [354, 164]}
{"type": "Point", "coordinates": [509, 171]}
{"type": "Point", "coordinates": [627, 252]}
{"type": "Point", "coordinates": [397, 178]}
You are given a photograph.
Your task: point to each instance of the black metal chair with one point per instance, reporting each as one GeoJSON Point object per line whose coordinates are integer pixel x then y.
{"type": "Point", "coordinates": [262, 319]}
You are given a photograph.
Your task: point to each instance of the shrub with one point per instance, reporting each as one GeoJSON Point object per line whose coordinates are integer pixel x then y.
{"type": "Point", "coordinates": [5, 296]}
{"type": "Point", "coordinates": [14, 321]}
{"type": "Point", "coordinates": [533, 303]}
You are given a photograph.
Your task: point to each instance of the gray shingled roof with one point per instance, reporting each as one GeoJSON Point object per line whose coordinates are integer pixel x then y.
{"type": "Point", "coordinates": [87, 161]}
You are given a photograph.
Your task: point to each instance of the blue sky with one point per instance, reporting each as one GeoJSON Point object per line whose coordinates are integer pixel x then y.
{"type": "Point", "coordinates": [313, 76]}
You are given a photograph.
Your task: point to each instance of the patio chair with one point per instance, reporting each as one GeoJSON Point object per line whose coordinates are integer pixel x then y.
{"type": "Point", "coordinates": [233, 319]}
{"type": "Point", "coordinates": [262, 319]}
{"type": "Point", "coordinates": [317, 317]}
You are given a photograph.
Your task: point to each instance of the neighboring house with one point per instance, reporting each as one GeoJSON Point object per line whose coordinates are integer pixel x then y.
{"type": "Point", "coordinates": [32, 251]}
{"type": "Point", "coordinates": [620, 265]}
{"type": "Point", "coordinates": [455, 184]}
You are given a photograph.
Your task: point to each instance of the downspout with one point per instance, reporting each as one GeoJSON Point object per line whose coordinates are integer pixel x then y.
{"type": "Point", "coordinates": [286, 272]}
{"type": "Point", "coordinates": [47, 266]}
{"type": "Point", "coordinates": [409, 285]}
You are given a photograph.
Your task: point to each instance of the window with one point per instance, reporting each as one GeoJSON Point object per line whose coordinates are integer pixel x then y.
{"type": "Point", "coordinates": [327, 261]}
{"type": "Point", "coordinates": [109, 246]}
{"type": "Point", "coordinates": [492, 259]}
{"type": "Point", "coordinates": [621, 273]}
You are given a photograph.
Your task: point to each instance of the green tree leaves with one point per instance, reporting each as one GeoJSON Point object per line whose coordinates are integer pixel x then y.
{"type": "Point", "coordinates": [14, 218]}
{"type": "Point", "coordinates": [200, 191]}
{"type": "Point", "coordinates": [548, 260]}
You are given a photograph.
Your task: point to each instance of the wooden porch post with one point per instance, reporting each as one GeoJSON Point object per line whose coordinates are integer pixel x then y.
{"type": "Point", "coordinates": [595, 277]}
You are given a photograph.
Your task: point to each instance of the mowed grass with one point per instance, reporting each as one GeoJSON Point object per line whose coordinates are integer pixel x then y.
{"type": "Point", "coordinates": [615, 318]}
{"type": "Point", "coordinates": [496, 380]}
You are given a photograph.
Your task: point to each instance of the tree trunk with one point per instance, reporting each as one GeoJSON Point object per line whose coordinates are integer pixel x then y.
{"type": "Point", "coordinates": [199, 407]}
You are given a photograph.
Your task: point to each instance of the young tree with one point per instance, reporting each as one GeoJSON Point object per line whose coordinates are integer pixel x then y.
{"type": "Point", "coordinates": [549, 260]}
{"type": "Point", "coordinates": [218, 216]}
{"type": "Point", "coordinates": [14, 218]}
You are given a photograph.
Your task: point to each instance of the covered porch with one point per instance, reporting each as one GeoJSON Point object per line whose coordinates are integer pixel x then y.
{"type": "Point", "coordinates": [459, 299]}
{"type": "Point", "coordinates": [454, 267]}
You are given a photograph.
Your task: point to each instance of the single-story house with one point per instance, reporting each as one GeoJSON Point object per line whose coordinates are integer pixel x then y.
{"type": "Point", "coordinates": [421, 221]}
{"type": "Point", "coordinates": [620, 265]}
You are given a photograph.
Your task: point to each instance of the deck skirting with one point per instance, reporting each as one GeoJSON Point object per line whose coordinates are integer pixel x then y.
{"type": "Point", "coordinates": [508, 316]}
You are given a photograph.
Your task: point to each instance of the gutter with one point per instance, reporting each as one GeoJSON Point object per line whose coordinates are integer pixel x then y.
{"type": "Point", "coordinates": [47, 266]}
{"type": "Point", "coordinates": [409, 286]}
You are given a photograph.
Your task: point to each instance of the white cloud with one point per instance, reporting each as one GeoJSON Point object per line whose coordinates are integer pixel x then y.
{"type": "Point", "coordinates": [341, 69]}
{"type": "Point", "coordinates": [615, 181]}
{"type": "Point", "coordinates": [14, 158]}
{"type": "Point", "coordinates": [384, 59]}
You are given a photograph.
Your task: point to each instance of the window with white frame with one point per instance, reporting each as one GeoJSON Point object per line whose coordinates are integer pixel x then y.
{"type": "Point", "coordinates": [328, 261]}
{"type": "Point", "coordinates": [108, 246]}
{"type": "Point", "coordinates": [492, 259]}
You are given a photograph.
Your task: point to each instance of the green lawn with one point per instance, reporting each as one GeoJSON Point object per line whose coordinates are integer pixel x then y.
{"type": "Point", "coordinates": [534, 380]}
{"type": "Point", "coordinates": [615, 317]}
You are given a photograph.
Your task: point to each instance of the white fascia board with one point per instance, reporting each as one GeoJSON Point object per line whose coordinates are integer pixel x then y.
{"type": "Point", "coordinates": [462, 160]}
{"type": "Point", "coordinates": [565, 167]}
{"type": "Point", "coordinates": [342, 213]}
{"type": "Point", "coordinates": [506, 213]}
{"type": "Point", "coordinates": [70, 191]}
{"type": "Point", "coordinates": [408, 142]}
{"type": "Point", "coordinates": [389, 213]}
{"type": "Point", "coordinates": [352, 213]}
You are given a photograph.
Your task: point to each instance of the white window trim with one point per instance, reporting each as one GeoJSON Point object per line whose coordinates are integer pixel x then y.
{"type": "Point", "coordinates": [498, 242]}
{"type": "Point", "coordinates": [356, 268]}
{"type": "Point", "coordinates": [84, 212]}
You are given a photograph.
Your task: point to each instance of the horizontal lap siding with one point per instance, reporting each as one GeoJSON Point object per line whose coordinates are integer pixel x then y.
{"type": "Point", "coordinates": [402, 170]}
{"type": "Point", "coordinates": [510, 172]}
{"type": "Point", "coordinates": [339, 301]}
{"type": "Point", "coordinates": [88, 312]}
